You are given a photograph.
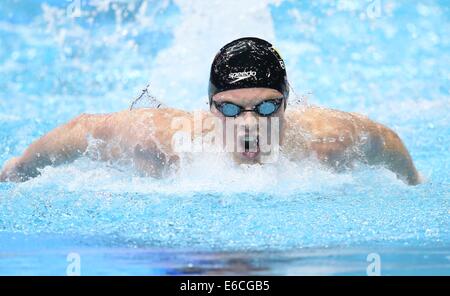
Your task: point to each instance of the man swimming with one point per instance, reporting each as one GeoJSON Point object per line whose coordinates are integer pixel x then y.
{"type": "Point", "coordinates": [248, 94]}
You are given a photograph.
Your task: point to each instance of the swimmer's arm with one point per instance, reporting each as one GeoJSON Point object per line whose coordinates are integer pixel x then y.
{"type": "Point", "coordinates": [392, 153]}
{"type": "Point", "coordinates": [63, 144]}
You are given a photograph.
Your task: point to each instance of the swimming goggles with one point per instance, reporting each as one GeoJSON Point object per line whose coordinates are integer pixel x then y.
{"type": "Point", "coordinates": [265, 108]}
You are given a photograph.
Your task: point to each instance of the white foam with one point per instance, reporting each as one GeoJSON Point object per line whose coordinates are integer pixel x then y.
{"type": "Point", "coordinates": [206, 173]}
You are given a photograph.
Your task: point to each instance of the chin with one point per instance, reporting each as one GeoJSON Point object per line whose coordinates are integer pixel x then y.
{"type": "Point", "coordinates": [247, 158]}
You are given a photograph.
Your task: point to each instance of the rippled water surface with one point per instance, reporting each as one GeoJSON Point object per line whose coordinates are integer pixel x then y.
{"type": "Point", "coordinates": [389, 60]}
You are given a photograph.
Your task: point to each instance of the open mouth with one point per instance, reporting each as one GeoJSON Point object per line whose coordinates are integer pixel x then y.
{"type": "Point", "coordinates": [251, 147]}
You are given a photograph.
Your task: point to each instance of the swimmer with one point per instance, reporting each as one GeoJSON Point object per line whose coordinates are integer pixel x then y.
{"type": "Point", "coordinates": [248, 84]}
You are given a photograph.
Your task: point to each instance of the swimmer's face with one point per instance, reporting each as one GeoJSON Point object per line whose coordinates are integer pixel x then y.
{"type": "Point", "coordinates": [255, 137]}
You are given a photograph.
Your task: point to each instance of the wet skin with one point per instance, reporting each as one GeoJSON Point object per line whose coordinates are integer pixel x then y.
{"type": "Point", "coordinates": [145, 137]}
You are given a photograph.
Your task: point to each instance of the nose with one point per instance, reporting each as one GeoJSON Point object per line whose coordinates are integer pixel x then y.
{"type": "Point", "coordinates": [249, 117]}
{"type": "Point", "coordinates": [248, 121]}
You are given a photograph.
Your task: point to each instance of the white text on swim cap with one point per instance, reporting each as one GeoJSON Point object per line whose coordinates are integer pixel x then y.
{"type": "Point", "coordinates": [238, 76]}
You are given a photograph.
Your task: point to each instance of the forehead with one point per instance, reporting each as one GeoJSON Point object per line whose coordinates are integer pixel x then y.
{"type": "Point", "coordinates": [247, 95]}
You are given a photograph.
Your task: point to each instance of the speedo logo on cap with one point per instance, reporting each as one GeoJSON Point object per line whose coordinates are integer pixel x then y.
{"type": "Point", "coordinates": [238, 76]}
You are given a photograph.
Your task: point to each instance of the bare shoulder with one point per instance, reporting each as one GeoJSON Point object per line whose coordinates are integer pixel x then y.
{"type": "Point", "coordinates": [144, 119]}
{"type": "Point", "coordinates": [129, 128]}
{"type": "Point", "coordinates": [146, 115]}
{"type": "Point", "coordinates": [340, 137]}
{"type": "Point", "coordinates": [322, 121]}
{"type": "Point", "coordinates": [321, 116]}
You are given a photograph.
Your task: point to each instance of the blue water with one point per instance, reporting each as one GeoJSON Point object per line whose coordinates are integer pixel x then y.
{"type": "Point", "coordinates": [391, 63]}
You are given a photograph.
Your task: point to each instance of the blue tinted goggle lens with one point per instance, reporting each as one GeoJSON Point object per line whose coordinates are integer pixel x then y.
{"type": "Point", "coordinates": [230, 110]}
{"type": "Point", "coordinates": [267, 108]}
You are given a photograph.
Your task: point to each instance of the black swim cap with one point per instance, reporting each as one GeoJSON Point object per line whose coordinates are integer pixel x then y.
{"type": "Point", "coordinates": [248, 62]}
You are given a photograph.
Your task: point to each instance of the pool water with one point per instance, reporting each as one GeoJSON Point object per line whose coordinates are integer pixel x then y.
{"type": "Point", "coordinates": [389, 60]}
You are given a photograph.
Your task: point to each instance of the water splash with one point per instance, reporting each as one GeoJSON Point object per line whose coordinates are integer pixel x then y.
{"type": "Point", "coordinates": [212, 205]}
